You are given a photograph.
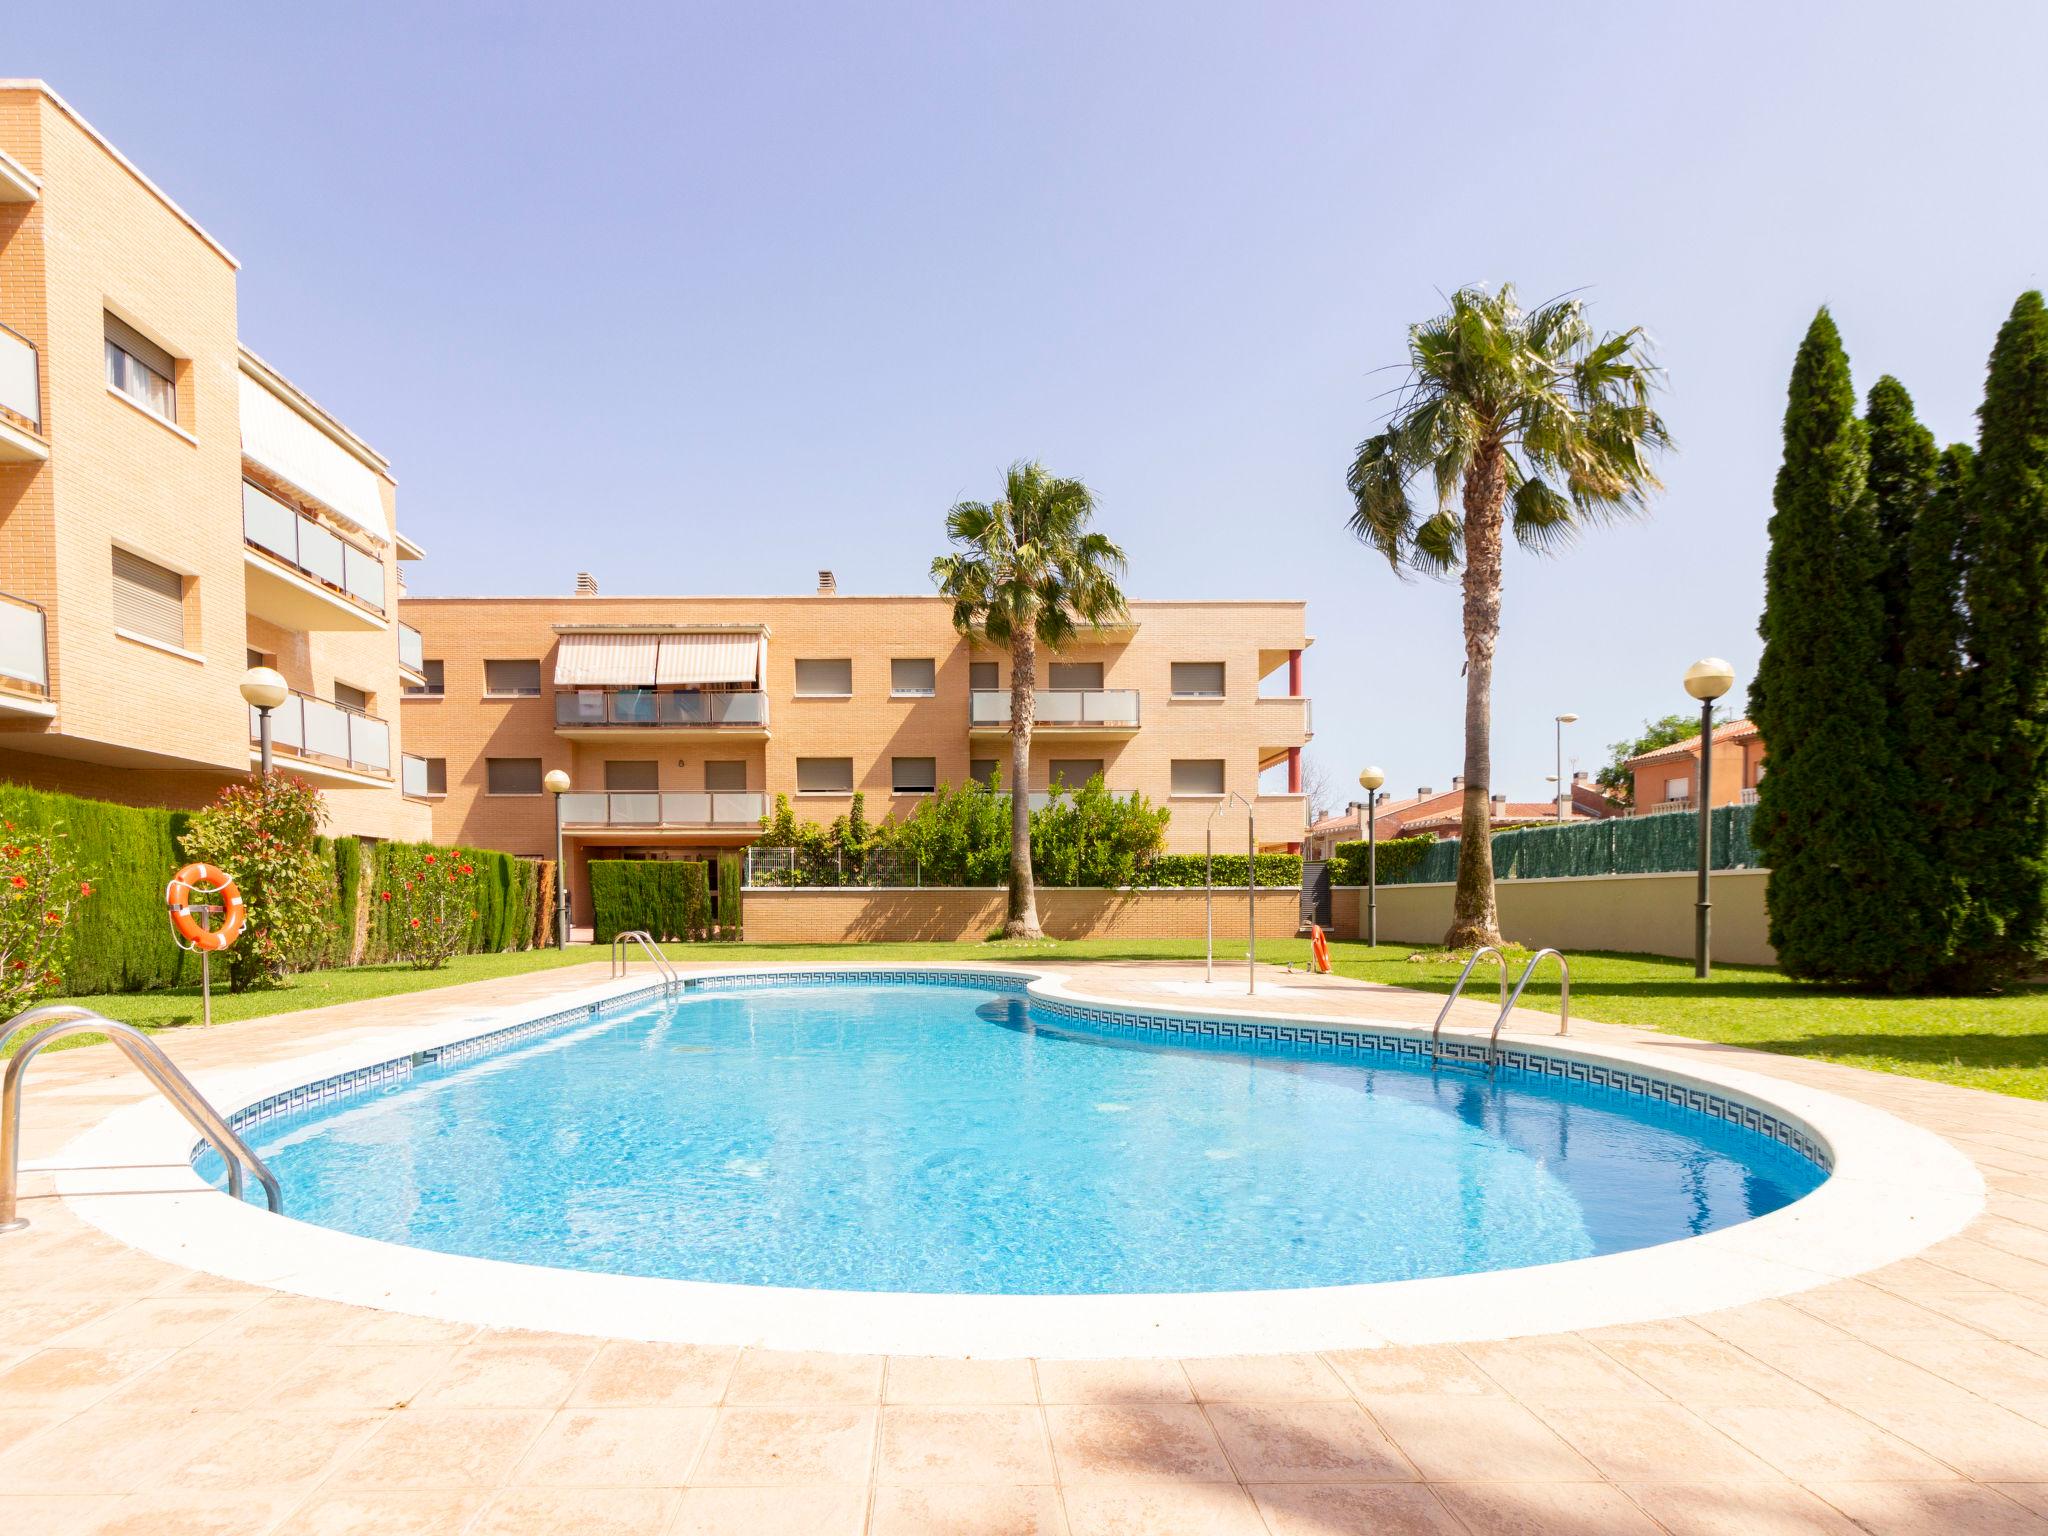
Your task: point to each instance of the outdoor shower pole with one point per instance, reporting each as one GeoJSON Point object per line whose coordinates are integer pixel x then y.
{"type": "Point", "coordinates": [1251, 885]}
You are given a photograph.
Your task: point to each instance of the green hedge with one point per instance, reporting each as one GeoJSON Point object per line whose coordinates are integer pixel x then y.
{"type": "Point", "coordinates": [1186, 869]}
{"type": "Point", "coordinates": [731, 911]}
{"type": "Point", "coordinates": [670, 898]}
{"type": "Point", "coordinates": [1395, 860]}
{"type": "Point", "coordinates": [1666, 843]}
{"type": "Point", "coordinates": [507, 887]}
{"type": "Point", "coordinates": [129, 853]}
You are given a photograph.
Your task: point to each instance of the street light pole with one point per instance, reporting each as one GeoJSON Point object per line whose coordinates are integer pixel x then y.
{"type": "Point", "coordinates": [1562, 793]}
{"type": "Point", "coordinates": [557, 784]}
{"type": "Point", "coordinates": [1706, 680]}
{"type": "Point", "coordinates": [263, 689]}
{"type": "Point", "coordinates": [1370, 780]}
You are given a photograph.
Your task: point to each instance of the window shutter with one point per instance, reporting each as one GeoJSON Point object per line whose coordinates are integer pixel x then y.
{"type": "Point", "coordinates": [148, 599]}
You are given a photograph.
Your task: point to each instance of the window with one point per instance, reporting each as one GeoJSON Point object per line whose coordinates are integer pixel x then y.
{"type": "Point", "coordinates": [1198, 679]}
{"type": "Point", "coordinates": [519, 679]}
{"type": "Point", "coordinates": [431, 671]}
{"type": "Point", "coordinates": [149, 600]}
{"type": "Point", "coordinates": [1197, 776]}
{"type": "Point", "coordinates": [725, 775]}
{"type": "Point", "coordinates": [141, 370]}
{"type": "Point", "coordinates": [824, 775]}
{"type": "Point", "coordinates": [1678, 789]}
{"type": "Point", "coordinates": [915, 679]}
{"type": "Point", "coordinates": [984, 676]}
{"type": "Point", "coordinates": [913, 775]}
{"type": "Point", "coordinates": [512, 775]}
{"type": "Point", "coordinates": [982, 770]}
{"type": "Point", "coordinates": [1072, 771]}
{"type": "Point", "coordinates": [421, 777]}
{"type": "Point", "coordinates": [632, 777]}
{"type": "Point", "coordinates": [349, 697]}
{"type": "Point", "coordinates": [1083, 675]}
{"type": "Point", "coordinates": [824, 679]}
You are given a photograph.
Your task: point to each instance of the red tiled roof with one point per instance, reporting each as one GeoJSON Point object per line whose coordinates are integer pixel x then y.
{"type": "Point", "coordinates": [1734, 730]}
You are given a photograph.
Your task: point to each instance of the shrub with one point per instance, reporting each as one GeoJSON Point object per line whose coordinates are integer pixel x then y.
{"type": "Point", "coordinates": [954, 837]}
{"type": "Point", "coordinates": [1397, 859]}
{"type": "Point", "coordinates": [731, 918]}
{"type": "Point", "coordinates": [670, 898]}
{"type": "Point", "coordinates": [123, 935]}
{"type": "Point", "coordinates": [431, 895]}
{"type": "Point", "coordinates": [39, 886]}
{"type": "Point", "coordinates": [263, 834]}
{"type": "Point", "coordinates": [1091, 837]}
{"type": "Point", "coordinates": [1190, 869]}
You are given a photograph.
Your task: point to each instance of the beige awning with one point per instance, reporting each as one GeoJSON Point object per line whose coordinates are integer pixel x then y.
{"type": "Point", "coordinates": [605, 661]}
{"type": "Point", "coordinates": [693, 661]}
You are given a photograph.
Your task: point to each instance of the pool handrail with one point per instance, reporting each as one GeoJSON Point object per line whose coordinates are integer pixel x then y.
{"type": "Point", "coordinates": [621, 955]}
{"type": "Point", "coordinates": [59, 1019]}
{"type": "Point", "coordinates": [1564, 1000]}
{"type": "Point", "coordinates": [1444, 1012]}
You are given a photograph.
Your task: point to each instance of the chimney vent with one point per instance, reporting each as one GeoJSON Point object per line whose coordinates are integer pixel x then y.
{"type": "Point", "coordinates": [1457, 781]}
{"type": "Point", "coordinates": [1424, 792]}
{"type": "Point", "coordinates": [828, 584]}
{"type": "Point", "coordinates": [1579, 775]}
{"type": "Point", "coordinates": [586, 584]}
{"type": "Point", "coordinates": [1500, 799]}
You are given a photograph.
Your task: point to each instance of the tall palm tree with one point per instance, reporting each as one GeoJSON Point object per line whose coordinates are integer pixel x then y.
{"type": "Point", "coordinates": [1025, 572]}
{"type": "Point", "coordinates": [1528, 419]}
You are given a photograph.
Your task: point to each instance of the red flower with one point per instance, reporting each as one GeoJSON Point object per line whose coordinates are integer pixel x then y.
{"type": "Point", "coordinates": [386, 895]}
{"type": "Point", "coordinates": [21, 965]}
{"type": "Point", "coordinates": [415, 922]}
{"type": "Point", "coordinates": [11, 851]}
{"type": "Point", "coordinates": [467, 870]}
{"type": "Point", "coordinates": [430, 858]}
{"type": "Point", "coordinates": [85, 887]}
{"type": "Point", "coordinates": [17, 882]}
{"type": "Point", "coordinates": [53, 917]}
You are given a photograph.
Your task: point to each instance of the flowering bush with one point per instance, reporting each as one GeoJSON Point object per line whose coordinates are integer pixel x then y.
{"type": "Point", "coordinates": [262, 833]}
{"type": "Point", "coordinates": [37, 889]}
{"type": "Point", "coordinates": [432, 894]}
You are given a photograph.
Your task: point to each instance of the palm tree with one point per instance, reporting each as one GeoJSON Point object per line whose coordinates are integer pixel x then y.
{"type": "Point", "coordinates": [1527, 417]}
{"type": "Point", "coordinates": [1026, 572]}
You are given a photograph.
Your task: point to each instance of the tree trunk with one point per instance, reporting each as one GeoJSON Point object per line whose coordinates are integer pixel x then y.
{"type": "Point", "coordinates": [1475, 918]}
{"type": "Point", "coordinates": [1022, 921]}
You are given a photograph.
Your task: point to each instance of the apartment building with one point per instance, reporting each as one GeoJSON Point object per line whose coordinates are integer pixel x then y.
{"type": "Point", "coordinates": [173, 510]}
{"type": "Point", "coordinates": [1667, 779]}
{"type": "Point", "coordinates": [679, 719]}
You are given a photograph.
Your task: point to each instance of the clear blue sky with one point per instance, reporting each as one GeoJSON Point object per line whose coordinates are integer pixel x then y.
{"type": "Point", "coordinates": [704, 299]}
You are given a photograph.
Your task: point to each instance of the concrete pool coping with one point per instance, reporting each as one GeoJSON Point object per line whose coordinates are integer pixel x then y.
{"type": "Point", "coordinates": [1896, 1189]}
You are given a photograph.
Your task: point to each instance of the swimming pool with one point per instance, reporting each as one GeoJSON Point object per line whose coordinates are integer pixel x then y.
{"type": "Point", "coordinates": [946, 1134]}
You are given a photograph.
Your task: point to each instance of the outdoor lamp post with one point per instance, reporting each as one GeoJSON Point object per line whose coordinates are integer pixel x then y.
{"type": "Point", "coordinates": [1370, 780]}
{"type": "Point", "coordinates": [1562, 793]}
{"type": "Point", "coordinates": [557, 785]}
{"type": "Point", "coordinates": [263, 689]}
{"type": "Point", "coordinates": [1706, 680]}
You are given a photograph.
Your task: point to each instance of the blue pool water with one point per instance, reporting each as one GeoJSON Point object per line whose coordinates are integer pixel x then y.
{"type": "Point", "coordinates": [948, 1138]}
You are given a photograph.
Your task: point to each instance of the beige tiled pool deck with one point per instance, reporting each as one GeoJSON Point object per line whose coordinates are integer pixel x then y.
{"type": "Point", "coordinates": [136, 1396]}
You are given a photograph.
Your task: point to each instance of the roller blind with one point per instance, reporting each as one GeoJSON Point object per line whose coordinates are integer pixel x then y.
{"type": "Point", "coordinates": [824, 775]}
{"type": "Point", "coordinates": [1074, 772]}
{"type": "Point", "coordinates": [1198, 679]}
{"type": "Point", "coordinates": [148, 599]}
{"type": "Point", "coordinates": [913, 775]}
{"type": "Point", "coordinates": [512, 775]}
{"type": "Point", "coordinates": [984, 675]}
{"type": "Point", "coordinates": [916, 676]}
{"type": "Point", "coordinates": [1085, 676]}
{"type": "Point", "coordinates": [1197, 776]}
{"type": "Point", "coordinates": [516, 677]}
{"type": "Point", "coordinates": [824, 677]}
{"type": "Point", "coordinates": [725, 774]}
{"type": "Point", "coordinates": [641, 775]}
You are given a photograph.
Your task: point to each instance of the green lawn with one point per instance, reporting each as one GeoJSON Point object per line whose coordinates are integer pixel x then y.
{"type": "Point", "coordinates": [1996, 1043]}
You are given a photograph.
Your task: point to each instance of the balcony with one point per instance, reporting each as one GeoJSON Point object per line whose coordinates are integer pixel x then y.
{"type": "Point", "coordinates": [1069, 713]}
{"type": "Point", "coordinates": [412, 655]}
{"type": "Point", "coordinates": [24, 660]}
{"type": "Point", "coordinates": [1661, 807]}
{"type": "Point", "coordinates": [598, 713]}
{"type": "Point", "coordinates": [304, 577]}
{"type": "Point", "coordinates": [21, 401]}
{"type": "Point", "coordinates": [1286, 719]}
{"type": "Point", "coordinates": [328, 740]}
{"type": "Point", "coordinates": [1749, 797]}
{"type": "Point", "coordinates": [687, 810]}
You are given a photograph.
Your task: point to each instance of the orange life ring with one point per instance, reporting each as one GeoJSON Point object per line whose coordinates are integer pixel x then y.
{"type": "Point", "coordinates": [1321, 946]}
{"type": "Point", "coordinates": [179, 893]}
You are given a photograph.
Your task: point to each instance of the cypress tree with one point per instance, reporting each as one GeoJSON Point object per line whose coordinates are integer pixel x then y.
{"type": "Point", "coordinates": [1901, 480]}
{"type": "Point", "coordinates": [2001, 843]}
{"type": "Point", "coordinates": [1826, 824]}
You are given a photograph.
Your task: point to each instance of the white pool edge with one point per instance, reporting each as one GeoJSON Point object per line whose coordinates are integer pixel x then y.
{"type": "Point", "coordinates": [1895, 1189]}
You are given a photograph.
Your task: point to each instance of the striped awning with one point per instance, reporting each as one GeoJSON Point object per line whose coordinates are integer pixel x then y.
{"type": "Point", "coordinates": [606, 661]}
{"type": "Point", "coordinates": [693, 661]}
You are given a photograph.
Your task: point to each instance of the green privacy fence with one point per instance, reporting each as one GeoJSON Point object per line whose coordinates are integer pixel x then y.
{"type": "Point", "coordinates": [1666, 843]}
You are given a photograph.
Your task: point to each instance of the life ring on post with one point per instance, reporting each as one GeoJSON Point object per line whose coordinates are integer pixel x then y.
{"type": "Point", "coordinates": [203, 879]}
{"type": "Point", "coordinates": [1321, 946]}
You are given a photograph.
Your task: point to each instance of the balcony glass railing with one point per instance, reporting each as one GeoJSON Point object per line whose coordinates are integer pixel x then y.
{"type": "Point", "coordinates": [412, 653]}
{"type": "Point", "coordinates": [21, 392]}
{"type": "Point", "coordinates": [24, 648]}
{"type": "Point", "coordinates": [310, 727]}
{"type": "Point", "coordinates": [299, 541]}
{"type": "Point", "coordinates": [1059, 706]}
{"type": "Point", "coordinates": [658, 706]}
{"type": "Point", "coordinates": [685, 808]}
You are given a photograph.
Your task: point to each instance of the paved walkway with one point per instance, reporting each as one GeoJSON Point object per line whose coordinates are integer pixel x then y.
{"type": "Point", "coordinates": [139, 1397]}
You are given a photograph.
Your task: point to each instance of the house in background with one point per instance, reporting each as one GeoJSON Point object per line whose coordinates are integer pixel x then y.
{"type": "Point", "coordinates": [1668, 778]}
{"type": "Point", "coordinates": [1432, 813]}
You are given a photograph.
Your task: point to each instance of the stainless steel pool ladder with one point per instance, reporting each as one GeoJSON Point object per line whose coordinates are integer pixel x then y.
{"type": "Point", "coordinates": [52, 1022]}
{"type": "Point", "coordinates": [621, 955]}
{"type": "Point", "coordinates": [1436, 1034]}
{"type": "Point", "coordinates": [1564, 999]}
